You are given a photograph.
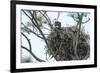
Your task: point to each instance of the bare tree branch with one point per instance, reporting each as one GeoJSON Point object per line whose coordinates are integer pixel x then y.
{"type": "Point", "coordinates": [30, 47]}
{"type": "Point", "coordinates": [26, 14]}
{"type": "Point", "coordinates": [47, 18]}
{"type": "Point", "coordinates": [58, 16]}
{"type": "Point", "coordinates": [44, 37]}
{"type": "Point", "coordinates": [76, 39]}
{"type": "Point", "coordinates": [46, 28]}
{"type": "Point", "coordinates": [32, 31]}
{"type": "Point", "coordinates": [33, 55]}
{"type": "Point", "coordinates": [86, 21]}
{"type": "Point", "coordinates": [35, 21]}
{"type": "Point", "coordinates": [31, 14]}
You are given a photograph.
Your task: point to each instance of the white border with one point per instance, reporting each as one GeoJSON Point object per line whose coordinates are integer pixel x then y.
{"type": "Point", "coordinates": [20, 65]}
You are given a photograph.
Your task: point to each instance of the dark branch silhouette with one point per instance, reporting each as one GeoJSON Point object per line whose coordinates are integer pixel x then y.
{"type": "Point", "coordinates": [35, 21]}
{"type": "Point", "coordinates": [33, 55]}
{"type": "Point", "coordinates": [31, 30]}
{"type": "Point", "coordinates": [86, 21]}
{"type": "Point", "coordinates": [47, 18]}
{"type": "Point", "coordinates": [30, 47]}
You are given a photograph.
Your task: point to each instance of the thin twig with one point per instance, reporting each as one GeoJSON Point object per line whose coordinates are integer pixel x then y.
{"type": "Point", "coordinates": [32, 31]}
{"type": "Point", "coordinates": [58, 16]}
{"type": "Point", "coordinates": [33, 55]}
{"type": "Point", "coordinates": [86, 21]}
{"type": "Point", "coordinates": [47, 18]}
{"type": "Point", "coordinates": [35, 21]}
{"type": "Point", "coordinates": [28, 41]}
{"type": "Point", "coordinates": [46, 28]}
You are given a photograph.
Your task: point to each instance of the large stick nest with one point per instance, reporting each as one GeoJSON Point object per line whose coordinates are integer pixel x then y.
{"type": "Point", "coordinates": [61, 47]}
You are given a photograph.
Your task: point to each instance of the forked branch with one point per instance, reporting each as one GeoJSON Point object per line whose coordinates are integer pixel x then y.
{"type": "Point", "coordinates": [33, 55]}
